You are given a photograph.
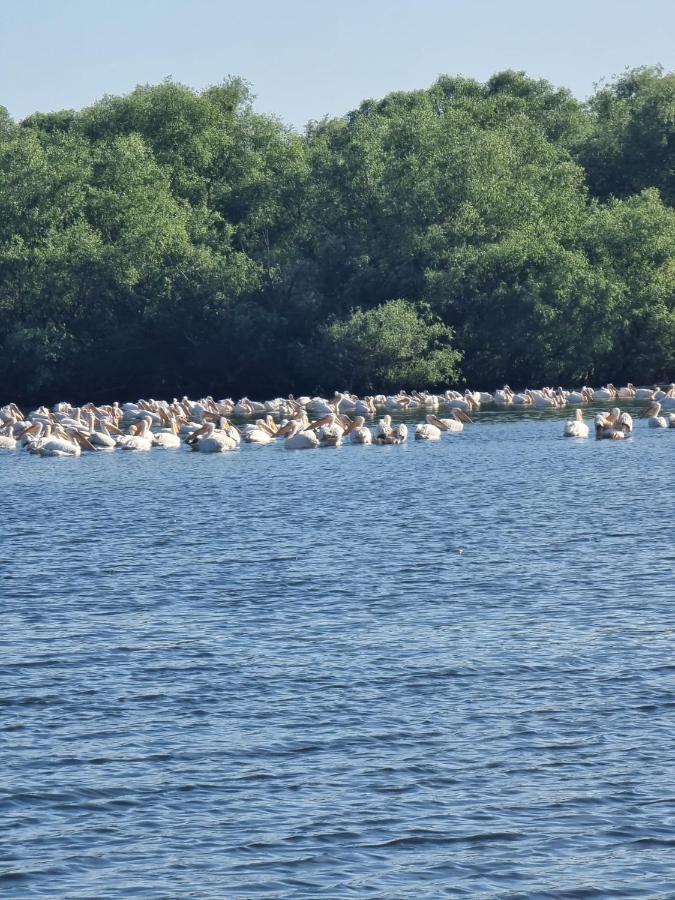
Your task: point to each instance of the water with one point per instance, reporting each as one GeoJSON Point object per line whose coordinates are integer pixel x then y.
{"type": "Point", "coordinates": [394, 672]}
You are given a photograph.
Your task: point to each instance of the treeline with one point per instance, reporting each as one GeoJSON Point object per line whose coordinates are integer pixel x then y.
{"type": "Point", "coordinates": [171, 242]}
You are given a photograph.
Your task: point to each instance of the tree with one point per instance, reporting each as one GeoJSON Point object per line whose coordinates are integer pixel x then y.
{"type": "Point", "coordinates": [396, 345]}
{"type": "Point", "coordinates": [632, 143]}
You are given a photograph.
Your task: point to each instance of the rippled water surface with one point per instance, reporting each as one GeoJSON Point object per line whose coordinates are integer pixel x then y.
{"type": "Point", "coordinates": [416, 671]}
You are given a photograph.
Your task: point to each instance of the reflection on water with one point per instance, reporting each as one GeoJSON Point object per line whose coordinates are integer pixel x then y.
{"type": "Point", "coordinates": [428, 670]}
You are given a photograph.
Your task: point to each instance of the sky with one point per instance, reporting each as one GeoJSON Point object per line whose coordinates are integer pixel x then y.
{"type": "Point", "coordinates": [305, 59]}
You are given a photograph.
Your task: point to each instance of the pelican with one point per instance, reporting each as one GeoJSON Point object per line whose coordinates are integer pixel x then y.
{"type": "Point", "coordinates": [168, 438]}
{"type": "Point", "coordinates": [31, 437]}
{"type": "Point", "coordinates": [331, 432]}
{"type": "Point", "coordinates": [386, 434]}
{"type": "Point", "coordinates": [453, 425]}
{"type": "Point", "coordinates": [344, 402]}
{"type": "Point", "coordinates": [7, 434]}
{"type": "Point", "coordinates": [576, 398]}
{"type": "Point", "coordinates": [625, 422]}
{"type": "Point", "coordinates": [383, 430]}
{"type": "Point", "coordinates": [57, 442]}
{"type": "Point", "coordinates": [576, 427]}
{"type": "Point", "coordinates": [102, 439]}
{"type": "Point", "coordinates": [398, 435]}
{"type": "Point", "coordinates": [263, 432]}
{"type": "Point", "coordinates": [605, 393]}
{"type": "Point", "coordinates": [426, 431]}
{"type": "Point", "coordinates": [504, 397]}
{"type": "Point", "coordinates": [296, 437]}
{"type": "Point", "coordinates": [319, 406]}
{"type": "Point", "coordinates": [546, 399]}
{"type": "Point", "coordinates": [654, 420]}
{"type": "Point", "coordinates": [225, 407]}
{"type": "Point", "coordinates": [668, 399]}
{"type": "Point", "coordinates": [359, 433]}
{"type": "Point", "coordinates": [365, 406]}
{"type": "Point", "coordinates": [209, 440]}
{"type": "Point", "coordinates": [615, 426]}
{"type": "Point", "coordinates": [455, 400]}
{"type": "Point", "coordinates": [139, 437]}
{"type": "Point", "coordinates": [243, 407]}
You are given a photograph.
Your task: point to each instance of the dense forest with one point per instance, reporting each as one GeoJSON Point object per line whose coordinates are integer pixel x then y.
{"type": "Point", "coordinates": [173, 241]}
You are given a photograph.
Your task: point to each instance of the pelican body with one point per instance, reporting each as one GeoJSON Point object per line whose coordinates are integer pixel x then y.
{"type": "Point", "coordinates": [576, 427]}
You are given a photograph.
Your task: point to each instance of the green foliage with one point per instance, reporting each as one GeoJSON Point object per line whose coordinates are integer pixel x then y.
{"type": "Point", "coordinates": [396, 345]}
{"type": "Point", "coordinates": [632, 242]}
{"type": "Point", "coordinates": [173, 240]}
{"type": "Point", "coordinates": [631, 145]}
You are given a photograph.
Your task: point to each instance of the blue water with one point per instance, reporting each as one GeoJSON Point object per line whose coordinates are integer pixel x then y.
{"type": "Point", "coordinates": [393, 672]}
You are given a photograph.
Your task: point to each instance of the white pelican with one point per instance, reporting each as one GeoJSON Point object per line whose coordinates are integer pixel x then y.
{"type": "Point", "coordinates": [263, 432]}
{"type": "Point", "coordinates": [504, 397]}
{"type": "Point", "coordinates": [386, 434]}
{"type": "Point", "coordinates": [546, 399]}
{"type": "Point", "coordinates": [615, 426]}
{"type": "Point", "coordinates": [139, 437]}
{"type": "Point", "coordinates": [244, 407]}
{"type": "Point", "coordinates": [168, 438]}
{"type": "Point", "coordinates": [329, 430]}
{"type": "Point", "coordinates": [625, 422]}
{"type": "Point", "coordinates": [11, 411]}
{"type": "Point", "coordinates": [398, 435]}
{"type": "Point", "coordinates": [10, 429]}
{"type": "Point", "coordinates": [330, 433]}
{"type": "Point", "coordinates": [453, 425]}
{"type": "Point", "coordinates": [668, 399]}
{"type": "Point", "coordinates": [210, 440]}
{"type": "Point", "coordinates": [359, 433]}
{"type": "Point", "coordinates": [654, 420]}
{"type": "Point", "coordinates": [365, 406]}
{"type": "Point", "coordinates": [576, 427]}
{"type": "Point", "coordinates": [319, 406]}
{"type": "Point", "coordinates": [456, 401]}
{"type": "Point", "coordinates": [57, 442]}
{"type": "Point", "coordinates": [605, 393]}
{"type": "Point", "coordinates": [7, 441]}
{"type": "Point", "coordinates": [296, 437]}
{"type": "Point", "coordinates": [383, 430]}
{"type": "Point", "coordinates": [344, 403]}
{"type": "Point", "coordinates": [425, 431]}
{"type": "Point", "coordinates": [101, 439]}
{"type": "Point", "coordinates": [576, 398]}
{"type": "Point", "coordinates": [31, 437]}
{"type": "Point", "coordinates": [225, 407]}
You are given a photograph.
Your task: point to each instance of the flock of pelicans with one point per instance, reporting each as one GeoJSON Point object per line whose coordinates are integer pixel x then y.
{"type": "Point", "coordinates": [302, 423]}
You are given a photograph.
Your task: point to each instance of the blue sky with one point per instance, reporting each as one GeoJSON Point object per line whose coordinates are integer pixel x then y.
{"type": "Point", "coordinates": [308, 59]}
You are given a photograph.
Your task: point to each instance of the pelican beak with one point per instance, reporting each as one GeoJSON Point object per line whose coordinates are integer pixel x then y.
{"type": "Point", "coordinates": [195, 434]}
{"type": "Point", "coordinates": [318, 423]}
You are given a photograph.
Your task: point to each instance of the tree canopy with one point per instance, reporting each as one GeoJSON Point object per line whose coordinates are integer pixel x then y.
{"type": "Point", "coordinates": [174, 241]}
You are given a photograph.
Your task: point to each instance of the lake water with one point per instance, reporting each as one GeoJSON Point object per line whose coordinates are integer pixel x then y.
{"type": "Point", "coordinates": [396, 672]}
